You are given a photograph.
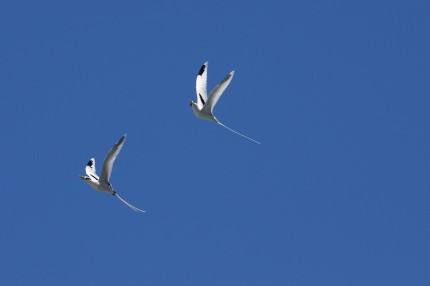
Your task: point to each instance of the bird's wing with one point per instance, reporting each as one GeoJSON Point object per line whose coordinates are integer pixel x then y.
{"type": "Point", "coordinates": [201, 85]}
{"type": "Point", "coordinates": [90, 169]}
{"type": "Point", "coordinates": [217, 91]}
{"type": "Point", "coordinates": [110, 158]}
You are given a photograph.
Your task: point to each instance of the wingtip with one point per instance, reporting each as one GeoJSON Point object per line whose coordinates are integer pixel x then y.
{"type": "Point", "coordinates": [232, 73]}
{"type": "Point", "coordinates": [203, 68]}
{"type": "Point", "coordinates": [121, 140]}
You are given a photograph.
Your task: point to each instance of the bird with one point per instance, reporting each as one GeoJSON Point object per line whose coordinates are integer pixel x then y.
{"type": "Point", "coordinates": [203, 108]}
{"type": "Point", "coordinates": [102, 183]}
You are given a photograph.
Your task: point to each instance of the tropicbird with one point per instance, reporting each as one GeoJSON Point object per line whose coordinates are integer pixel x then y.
{"type": "Point", "coordinates": [102, 183]}
{"type": "Point", "coordinates": [205, 104]}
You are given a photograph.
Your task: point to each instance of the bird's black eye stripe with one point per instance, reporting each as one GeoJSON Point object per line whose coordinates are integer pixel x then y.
{"type": "Point", "coordinates": [201, 98]}
{"type": "Point", "coordinates": [90, 163]}
{"type": "Point", "coordinates": [202, 70]}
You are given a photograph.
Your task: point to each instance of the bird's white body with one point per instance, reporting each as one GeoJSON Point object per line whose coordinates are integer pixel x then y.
{"type": "Point", "coordinates": [205, 104]}
{"type": "Point", "coordinates": [102, 183]}
{"type": "Point", "coordinates": [100, 186]}
{"type": "Point", "coordinates": [201, 114]}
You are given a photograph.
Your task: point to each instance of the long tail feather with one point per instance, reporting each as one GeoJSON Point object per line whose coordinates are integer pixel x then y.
{"type": "Point", "coordinates": [238, 133]}
{"type": "Point", "coordinates": [129, 205]}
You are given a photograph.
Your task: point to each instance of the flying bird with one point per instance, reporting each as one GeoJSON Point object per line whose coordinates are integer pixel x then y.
{"type": "Point", "coordinates": [205, 104]}
{"type": "Point", "coordinates": [102, 183]}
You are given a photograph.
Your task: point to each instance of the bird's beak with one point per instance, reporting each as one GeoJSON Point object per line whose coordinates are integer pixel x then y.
{"type": "Point", "coordinates": [82, 177]}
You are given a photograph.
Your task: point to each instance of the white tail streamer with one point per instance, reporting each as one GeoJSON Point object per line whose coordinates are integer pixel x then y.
{"type": "Point", "coordinates": [238, 133]}
{"type": "Point", "coordinates": [129, 205]}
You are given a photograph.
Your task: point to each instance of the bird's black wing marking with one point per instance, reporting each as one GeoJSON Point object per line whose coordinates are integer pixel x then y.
{"type": "Point", "coordinates": [201, 98]}
{"type": "Point", "coordinates": [202, 69]}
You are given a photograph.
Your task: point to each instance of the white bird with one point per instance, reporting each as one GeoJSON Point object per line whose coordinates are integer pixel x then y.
{"type": "Point", "coordinates": [102, 183]}
{"type": "Point", "coordinates": [205, 104]}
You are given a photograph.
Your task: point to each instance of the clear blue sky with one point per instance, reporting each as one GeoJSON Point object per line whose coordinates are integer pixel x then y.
{"type": "Point", "coordinates": [338, 93]}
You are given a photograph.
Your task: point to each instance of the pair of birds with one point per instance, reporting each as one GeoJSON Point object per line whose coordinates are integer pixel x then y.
{"type": "Point", "coordinates": [202, 109]}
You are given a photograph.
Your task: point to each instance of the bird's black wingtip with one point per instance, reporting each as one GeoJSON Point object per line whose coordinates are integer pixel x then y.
{"type": "Point", "coordinates": [122, 139]}
{"type": "Point", "coordinates": [203, 68]}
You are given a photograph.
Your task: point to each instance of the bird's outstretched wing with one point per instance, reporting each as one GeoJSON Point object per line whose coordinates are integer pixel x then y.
{"type": "Point", "coordinates": [217, 92]}
{"type": "Point", "coordinates": [110, 158]}
{"type": "Point", "coordinates": [90, 169]}
{"type": "Point", "coordinates": [201, 85]}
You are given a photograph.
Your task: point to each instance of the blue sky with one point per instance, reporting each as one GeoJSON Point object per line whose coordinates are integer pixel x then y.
{"type": "Point", "coordinates": [336, 194]}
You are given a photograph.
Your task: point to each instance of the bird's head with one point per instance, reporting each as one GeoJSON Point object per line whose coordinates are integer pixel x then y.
{"type": "Point", "coordinates": [85, 178]}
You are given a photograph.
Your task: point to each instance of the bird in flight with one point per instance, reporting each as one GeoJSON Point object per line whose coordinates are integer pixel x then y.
{"type": "Point", "coordinates": [205, 104]}
{"type": "Point", "coordinates": [102, 183]}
